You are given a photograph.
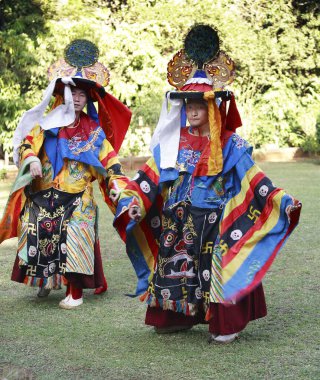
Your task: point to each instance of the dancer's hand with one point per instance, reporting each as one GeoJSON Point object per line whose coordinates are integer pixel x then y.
{"type": "Point", "coordinates": [35, 169]}
{"type": "Point", "coordinates": [293, 211]}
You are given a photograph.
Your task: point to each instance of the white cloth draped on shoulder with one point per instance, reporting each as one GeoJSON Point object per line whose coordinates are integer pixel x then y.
{"type": "Point", "coordinates": [167, 132]}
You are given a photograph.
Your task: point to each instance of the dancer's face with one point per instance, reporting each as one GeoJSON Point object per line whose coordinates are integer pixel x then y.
{"type": "Point", "coordinates": [197, 113]}
{"type": "Point", "coordinates": [79, 99]}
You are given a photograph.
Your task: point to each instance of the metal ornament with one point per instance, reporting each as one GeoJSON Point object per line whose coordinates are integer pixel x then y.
{"type": "Point", "coordinates": [180, 69]}
{"type": "Point", "coordinates": [80, 60]}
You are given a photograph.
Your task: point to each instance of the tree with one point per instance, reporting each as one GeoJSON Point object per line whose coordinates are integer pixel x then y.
{"type": "Point", "coordinates": [275, 46]}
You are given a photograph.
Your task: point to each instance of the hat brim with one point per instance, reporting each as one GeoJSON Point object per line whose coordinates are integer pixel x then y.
{"type": "Point", "coordinates": [225, 95]}
{"type": "Point", "coordinates": [89, 86]}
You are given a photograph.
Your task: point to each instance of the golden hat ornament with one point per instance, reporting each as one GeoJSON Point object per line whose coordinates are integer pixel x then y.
{"type": "Point", "coordinates": [80, 61]}
{"type": "Point", "coordinates": [201, 58]}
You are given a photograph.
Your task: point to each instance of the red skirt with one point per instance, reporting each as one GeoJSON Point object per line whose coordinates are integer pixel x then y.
{"type": "Point", "coordinates": [225, 319]}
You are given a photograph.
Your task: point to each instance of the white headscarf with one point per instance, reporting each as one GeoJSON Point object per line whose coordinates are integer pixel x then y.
{"type": "Point", "coordinates": [61, 116]}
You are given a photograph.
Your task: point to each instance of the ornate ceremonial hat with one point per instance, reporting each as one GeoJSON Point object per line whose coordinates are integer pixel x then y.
{"type": "Point", "coordinates": [81, 63]}
{"type": "Point", "coordinates": [79, 67]}
{"type": "Point", "coordinates": [198, 71]}
{"type": "Point", "coordinates": [201, 65]}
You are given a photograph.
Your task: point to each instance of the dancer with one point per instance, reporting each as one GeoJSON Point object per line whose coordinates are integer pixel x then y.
{"type": "Point", "coordinates": [202, 223]}
{"type": "Point", "coordinates": [51, 207]}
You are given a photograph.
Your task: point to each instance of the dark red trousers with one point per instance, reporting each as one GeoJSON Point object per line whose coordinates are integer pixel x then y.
{"type": "Point", "coordinates": [225, 319]}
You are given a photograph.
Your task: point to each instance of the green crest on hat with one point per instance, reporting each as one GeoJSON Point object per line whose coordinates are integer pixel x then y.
{"type": "Point", "coordinates": [201, 44]}
{"type": "Point", "coordinates": [81, 53]}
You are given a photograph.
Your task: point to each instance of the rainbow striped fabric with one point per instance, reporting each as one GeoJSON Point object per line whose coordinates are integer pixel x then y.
{"type": "Point", "coordinates": [256, 222]}
{"type": "Point", "coordinates": [256, 219]}
{"type": "Point", "coordinates": [142, 238]}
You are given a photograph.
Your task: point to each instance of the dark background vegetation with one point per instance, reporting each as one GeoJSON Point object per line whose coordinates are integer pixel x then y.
{"type": "Point", "coordinates": [275, 45]}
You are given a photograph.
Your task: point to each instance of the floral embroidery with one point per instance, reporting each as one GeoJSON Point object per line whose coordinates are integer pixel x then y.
{"type": "Point", "coordinates": [74, 142]}
{"type": "Point", "coordinates": [90, 145]}
{"type": "Point", "coordinates": [190, 157]}
{"type": "Point", "coordinates": [239, 141]}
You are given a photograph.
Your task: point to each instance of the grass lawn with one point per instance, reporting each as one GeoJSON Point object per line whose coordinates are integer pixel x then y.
{"type": "Point", "coordinates": [106, 337]}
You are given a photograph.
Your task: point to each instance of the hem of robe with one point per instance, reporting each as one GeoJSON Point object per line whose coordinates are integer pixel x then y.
{"type": "Point", "coordinates": [226, 319]}
{"type": "Point", "coordinates": [78, 280]}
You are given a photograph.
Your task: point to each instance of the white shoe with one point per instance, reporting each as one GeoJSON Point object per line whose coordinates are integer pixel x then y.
{"type": "Point", "coordinates": [224, 339]}
{"type": "Point", "coordinates": [43, 292]}
{"type": "Point", "coordinates": [212, 337]}
{"type": "Point", "coordinates": [65, 299]}
{"type": "Point", "coordinates": [69, 303]}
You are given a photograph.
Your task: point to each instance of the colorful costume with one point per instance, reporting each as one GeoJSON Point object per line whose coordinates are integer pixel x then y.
{"type": "Point", "coordinates": [212, 222]}
{"type": "Point", "coordinates": [55, 216]}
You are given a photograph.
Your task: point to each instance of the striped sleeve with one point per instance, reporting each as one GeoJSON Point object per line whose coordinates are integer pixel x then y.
{"type": "Point", "coordinates": [31, 145]}
{"type": "Point", "coordinates": [255, 224]}
{"type": "Point", "coordinates": [143, 187]}
{"type": "Point", "coordinates": [115, 181]}
{"type": "Point", "coordinates": [141, 237]}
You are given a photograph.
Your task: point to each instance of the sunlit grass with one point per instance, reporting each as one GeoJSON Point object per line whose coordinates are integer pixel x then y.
{"type": "Point", "coordinates": [106, 338]}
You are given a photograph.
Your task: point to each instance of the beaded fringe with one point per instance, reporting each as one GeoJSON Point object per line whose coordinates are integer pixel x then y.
{"type": "Point", "coordinates": [52, 282]}
{"type": "Point", "coordinates": [179, 306]}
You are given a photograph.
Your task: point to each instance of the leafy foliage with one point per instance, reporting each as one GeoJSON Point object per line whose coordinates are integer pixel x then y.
{"type": "Point", "coordinates": [275, 46]}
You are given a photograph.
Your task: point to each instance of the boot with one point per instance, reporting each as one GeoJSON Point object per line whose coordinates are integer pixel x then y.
{"type": "Point", "coordinates": [43, 292]}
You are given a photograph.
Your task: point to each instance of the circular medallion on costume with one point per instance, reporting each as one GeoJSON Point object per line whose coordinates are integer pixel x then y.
{"type": "Point", "coordinates": [169, 239]}
{"type": "Point", "coordinates": [212, 217]}
{"type": "Point", "coordinates": [206, 275]}
{"type": "Point", "coordinates": [236, 234]}
{"type": "Point", "coordinates": [165, 294]}
{"type": "Point", "coordinates": [145, 187]}
{"type": "Point", "coordinates": [32, 251]}
{"type": "Point", "coordinates": [180, 213]}
{"type": "Point", "coordinates": [263, 191]}
{"type": "Point", "coordinates": [198, 293]}
{"type": "Point", "coordinates": [52, 267]}
{"type": "Point", "coordinates": [81, 53]}
{"type": "Point", "coordinates": [63, 248]}
{"type": "Point", "coordinates": [155, 222]}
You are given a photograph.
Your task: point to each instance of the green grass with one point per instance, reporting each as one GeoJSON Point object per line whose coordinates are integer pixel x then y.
{"type": "Point", "coordinates": [106, 338]}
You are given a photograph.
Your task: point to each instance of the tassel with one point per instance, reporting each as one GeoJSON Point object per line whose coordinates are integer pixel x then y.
{"type": "Point", "coordinates": [208, 315]}
{"type": "Point", "coordinates": [215, 161]}
{"type": "Point", "coordinates": [187, 310]}
{"type": "Point", "coordinates": [143, 296]}
{"type": "Point", "coordinates": [49, 283]}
